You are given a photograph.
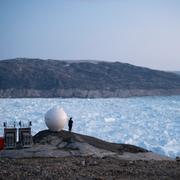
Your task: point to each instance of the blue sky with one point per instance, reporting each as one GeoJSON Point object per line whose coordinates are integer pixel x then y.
{"type": "Point", "coordinates": [140, 32]}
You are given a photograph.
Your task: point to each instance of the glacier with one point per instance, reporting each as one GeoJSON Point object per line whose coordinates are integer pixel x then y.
{"type": "Point", "coordinates": [150, 122]}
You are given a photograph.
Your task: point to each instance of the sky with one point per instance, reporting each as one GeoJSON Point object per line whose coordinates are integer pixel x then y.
{"type": "Point", "coordinates": [140, 32]}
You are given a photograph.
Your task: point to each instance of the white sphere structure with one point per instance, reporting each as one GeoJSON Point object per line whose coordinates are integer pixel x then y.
{"type": "Point", "coordinates": [56, 118]}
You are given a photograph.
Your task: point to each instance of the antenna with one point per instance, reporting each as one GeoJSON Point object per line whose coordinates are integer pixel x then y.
{"type": "Point", "coordinates": [14, 124]}
{"type": "Point", "coordinates": [20, 124]}
{"type": "Point", "coordinates": [30, 123]}
{"type": "Point", "coordinates": [5, 124]}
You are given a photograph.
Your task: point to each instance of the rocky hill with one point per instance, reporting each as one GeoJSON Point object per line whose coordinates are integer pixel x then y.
{"type": "Point", "coordinates": [24, 77]}
{"type": "Point", "coordinates": [177, 72]}
{"type": "Point", "coordinates": [65, 144]}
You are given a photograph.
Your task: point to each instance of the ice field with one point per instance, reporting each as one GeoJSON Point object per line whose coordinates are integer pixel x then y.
{"type": "Point", "coordinates": [149, 122]}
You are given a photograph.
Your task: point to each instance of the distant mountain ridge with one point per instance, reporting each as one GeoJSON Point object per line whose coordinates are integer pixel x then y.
{"type": "Point", "coordinates": [24, 77]}
{"type": "Point", "coordinates": [177, 72]}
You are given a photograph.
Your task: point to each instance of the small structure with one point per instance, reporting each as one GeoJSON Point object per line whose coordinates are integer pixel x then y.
{"type": "Point", "coordinates": [25, 137]}
{"type": "Point", "coordinates": [10, 138]}
{"type": "Point", "coordinates": [1, 143]}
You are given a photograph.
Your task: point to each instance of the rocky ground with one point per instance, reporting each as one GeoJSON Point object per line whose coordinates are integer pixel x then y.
{"type": "Point", "coordinates": [65, 155]}
{"type": "Point", "coordinates": [84, 168]}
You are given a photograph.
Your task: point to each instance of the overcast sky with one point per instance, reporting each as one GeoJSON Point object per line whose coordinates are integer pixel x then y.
{"type": "Point", "coordinates": [140, 32]}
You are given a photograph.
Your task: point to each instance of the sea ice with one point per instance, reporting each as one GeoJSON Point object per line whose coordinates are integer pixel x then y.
{"type": "Point", "coordinates": [149, 122]}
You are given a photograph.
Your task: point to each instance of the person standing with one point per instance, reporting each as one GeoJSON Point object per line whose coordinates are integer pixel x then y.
{"type": "Point", "coordinates": [70, 124]}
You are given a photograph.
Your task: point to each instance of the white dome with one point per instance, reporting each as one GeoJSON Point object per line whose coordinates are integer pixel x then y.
{"type": "Point", "coordinates": [56, 118]}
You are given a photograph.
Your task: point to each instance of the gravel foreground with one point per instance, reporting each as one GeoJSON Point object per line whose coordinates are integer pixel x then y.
{"type": "Point", "coordinates": [87, 168]}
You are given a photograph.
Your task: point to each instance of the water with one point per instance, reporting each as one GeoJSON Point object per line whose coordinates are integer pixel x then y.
{"type": "Point", "coordinates": [149, 122]}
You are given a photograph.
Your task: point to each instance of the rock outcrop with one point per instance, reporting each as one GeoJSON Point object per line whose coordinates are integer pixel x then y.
{"type": "Point", "coordinates": [85, 79]}
{"type": "Point", "coordinates": [67, 144]}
